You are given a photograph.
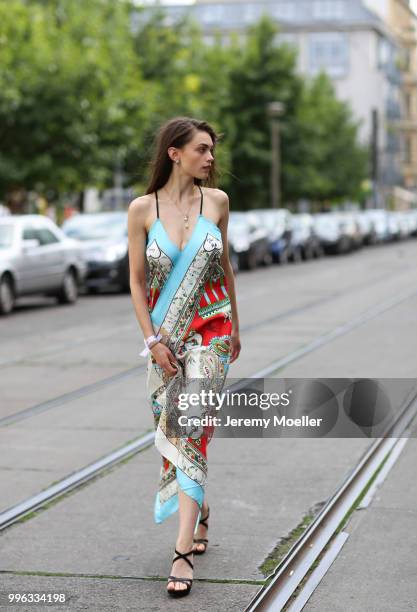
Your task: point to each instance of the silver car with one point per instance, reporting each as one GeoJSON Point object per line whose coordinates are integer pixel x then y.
{"type": "Point", "coordinates": [37, 257]}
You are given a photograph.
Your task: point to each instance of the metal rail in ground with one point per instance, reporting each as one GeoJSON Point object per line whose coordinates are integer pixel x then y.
{"type": "Point", "coordinates": [322, 532]}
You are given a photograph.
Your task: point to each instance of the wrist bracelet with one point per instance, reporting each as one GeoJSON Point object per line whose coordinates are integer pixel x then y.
{"type": "Point", "coordinates": [150, 341]}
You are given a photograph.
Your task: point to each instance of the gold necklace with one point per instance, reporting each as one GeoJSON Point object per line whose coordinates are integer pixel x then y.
{"type": "Point", "coordinates": [186, 216]}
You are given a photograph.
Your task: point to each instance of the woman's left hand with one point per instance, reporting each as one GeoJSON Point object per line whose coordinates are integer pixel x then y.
{"type": "Point", "coordinates": [235, 346]}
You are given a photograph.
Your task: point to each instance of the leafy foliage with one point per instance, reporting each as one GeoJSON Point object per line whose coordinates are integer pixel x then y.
{"type": "Point", "coordinates": [83, 91]}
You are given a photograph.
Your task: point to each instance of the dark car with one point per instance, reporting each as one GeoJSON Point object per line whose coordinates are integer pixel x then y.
{"type": "Point", "coordinates": [104, 238]}
{"type": "Point", "coordinates": [233, 258]}
{"type": "Point", "coordinates": [249, 240]}
{"type": "Point", "coordinates": [304, 242]}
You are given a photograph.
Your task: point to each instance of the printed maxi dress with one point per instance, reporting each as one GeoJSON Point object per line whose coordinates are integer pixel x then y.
{"type": "Point", "coordinates": [189, 305]}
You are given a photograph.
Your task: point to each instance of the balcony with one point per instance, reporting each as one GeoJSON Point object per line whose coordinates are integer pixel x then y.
{"type": "Point", "coordinates": [408, 124]}
{"type": "Point", "coordinates": [410, 78]}
{"type": "Point", "coordinates": [409, 168]}
{"type": "Point", "coordinates": [409, 37]}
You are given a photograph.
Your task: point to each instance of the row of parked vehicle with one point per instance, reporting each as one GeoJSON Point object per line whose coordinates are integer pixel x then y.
{"type": "Point", "coordinates": [265, 236]}
{"type": "Point", "coordinates": [91, 250]}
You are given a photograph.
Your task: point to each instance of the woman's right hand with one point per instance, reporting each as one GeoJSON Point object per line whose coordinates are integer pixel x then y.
{"type": "Point", "coordinates": [164, 358]}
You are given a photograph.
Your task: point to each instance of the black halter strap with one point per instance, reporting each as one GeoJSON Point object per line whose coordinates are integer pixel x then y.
{"type": "Point", "coordinates": [201, 204]}
{"type": "Point", "coordinates": [157, 202]}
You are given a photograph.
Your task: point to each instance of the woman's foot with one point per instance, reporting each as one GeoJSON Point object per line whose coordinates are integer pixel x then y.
{"type": "Point", "coordinates": [200, 547]}
{"type": "Point", "coordinates": [180, 567]}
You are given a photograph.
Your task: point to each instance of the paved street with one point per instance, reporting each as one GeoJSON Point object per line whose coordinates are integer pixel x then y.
{"type": "Point", "coordinates": [73, 390]}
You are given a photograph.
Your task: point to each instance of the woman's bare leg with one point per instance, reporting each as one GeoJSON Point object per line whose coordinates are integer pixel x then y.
{"type": "Point", "coordinates": [188, 512]}
{"type": "Point", "coordinates": [202, 529]}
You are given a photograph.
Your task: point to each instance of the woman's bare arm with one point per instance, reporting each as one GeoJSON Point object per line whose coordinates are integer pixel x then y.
{"type": "Point", "coordinates": [137, 212]}
{"type": "Point", "coordinates": [136, 229]}
{"type": "Point", "coordinates": [230, 277]}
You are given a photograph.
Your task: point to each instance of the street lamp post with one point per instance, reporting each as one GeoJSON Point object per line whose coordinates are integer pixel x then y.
{"type": "Point", "coordinates": [275, 110]}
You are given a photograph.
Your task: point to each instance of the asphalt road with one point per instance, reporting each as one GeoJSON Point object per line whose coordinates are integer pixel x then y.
{"type": "Point", "coordinates": [72, 390]}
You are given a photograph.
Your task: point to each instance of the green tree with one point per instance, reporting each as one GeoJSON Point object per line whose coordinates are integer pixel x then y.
{"type": "Point", "coordinates": [186, 76]}
{"type": "Point", "coordinates": [71, 99]}
{"type": "Point", "coordinates": [322, 158]}
{"type": "Point", "coordinates": [262, 72]}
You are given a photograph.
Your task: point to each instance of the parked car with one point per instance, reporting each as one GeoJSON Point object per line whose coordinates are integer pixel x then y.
{"type": "Point", "coordinates": [103, 237]}
{"type": "Point", "coordinates": [403, 224]}
{"type": "Point", "coordinates": [36, 257]}
{"type": "Point", "coordinates": [350, 226]}
{"type": "Point", "coordinates": [234, 259]}
{"type": "Point", "coordinates": [367, 227]}
{"type": "Point", "coordinates": [4, 211]}
{"type": "Point", "coordinates": [412, 221]}
{"type": "Point", "coordinates": [394, 227]}
{"type": "Point", "coordinates": [249, 239]}
{"type": "Point", "coordinates": [379, 218]}
{"type": "Point", "coordinates": [331, 233]}
{"type": "Point", "coordinates": [304, 242]}
{"type": "Point", "coordinates": [277, 223]}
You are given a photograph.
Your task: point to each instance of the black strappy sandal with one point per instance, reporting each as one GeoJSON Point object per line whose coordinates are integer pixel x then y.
{"type": "Point", "coordinates": [202, 540]}
{"type": "Point", "coordinates": [187, 581]}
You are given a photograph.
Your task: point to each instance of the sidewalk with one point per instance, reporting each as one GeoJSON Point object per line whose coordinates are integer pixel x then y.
{"type": "Point", "coordinates": [376, 569]}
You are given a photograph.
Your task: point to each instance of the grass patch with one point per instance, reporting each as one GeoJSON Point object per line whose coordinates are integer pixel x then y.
{"type": "Point", "coordinates": [284, 545]}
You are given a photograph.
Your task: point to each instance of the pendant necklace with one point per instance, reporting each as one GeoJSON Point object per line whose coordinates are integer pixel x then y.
{"type": "Point", "coordinates": [186, 215]}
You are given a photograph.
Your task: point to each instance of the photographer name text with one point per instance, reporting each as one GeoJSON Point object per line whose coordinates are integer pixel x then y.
{"type": "Point", "coordinates": [277, 421]}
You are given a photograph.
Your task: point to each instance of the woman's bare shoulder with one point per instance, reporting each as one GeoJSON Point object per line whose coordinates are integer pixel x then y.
{"type": "Point", "coordinates": [140, 207]}
{"type": "Point", "coordinates": [216, 194]}
{"type": "Point", "coordinates": [141, 204]}
{"type": "Point", "coordinates": [219, 203]}
{"type": "Point", "coordinates": [219, 198]}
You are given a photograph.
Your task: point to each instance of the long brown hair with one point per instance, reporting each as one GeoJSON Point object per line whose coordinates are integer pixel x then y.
{"type": "Point", "coordinates": [176, 132]}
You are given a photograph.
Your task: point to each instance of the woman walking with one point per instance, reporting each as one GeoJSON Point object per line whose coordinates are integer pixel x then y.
{"type": "Point", "coordinates": [183, 291]}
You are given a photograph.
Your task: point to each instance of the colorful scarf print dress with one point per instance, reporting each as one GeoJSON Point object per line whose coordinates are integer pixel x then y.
{"type": "Point", "coordinates": [189, 306]}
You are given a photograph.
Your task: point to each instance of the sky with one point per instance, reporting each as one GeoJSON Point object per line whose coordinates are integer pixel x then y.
{"type": "Point", "coordinates": [413, 2]}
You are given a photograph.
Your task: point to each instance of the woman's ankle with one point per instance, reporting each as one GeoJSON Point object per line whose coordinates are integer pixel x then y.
{"type": "Point", "coordinates": [184, 544]}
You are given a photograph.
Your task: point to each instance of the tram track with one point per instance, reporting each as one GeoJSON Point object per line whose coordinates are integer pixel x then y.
{"type": "Point", "coordinates": [298, 574]}
{"type": "Point", "coordinates": [80, 477]}
{"type": "Point", "coordinates": [67, 398]}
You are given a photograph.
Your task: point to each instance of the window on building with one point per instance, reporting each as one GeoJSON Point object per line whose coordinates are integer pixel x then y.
{"type": "Point", "coordinates": [329, 9]}
{"type": "Point", "coordinates": [408, 104]}
{"type": "Point", "coordinates": [329, 52]}
{"type": "Point", "coordinates": [213, 13]}
{"type": "Point", "coordinates": [384, 52]}
{"type": "Point", "coordinates": [408, 60]}
{"type": "Point", "coordinates": [251, 12]}
{"type": "Point", "coordinates": [283, 10]}
{"type": "Point", "coordinates": [287, 38]}
{"type": "Point", "coordinates": [408, 150]}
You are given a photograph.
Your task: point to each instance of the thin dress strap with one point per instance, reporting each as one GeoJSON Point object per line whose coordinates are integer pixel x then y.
{"type": "Point", "coordinates": [201, 204]}
{"type": "Point", "coordinates": [157, 204]}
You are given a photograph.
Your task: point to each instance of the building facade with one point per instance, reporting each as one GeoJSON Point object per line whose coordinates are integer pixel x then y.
{"type": "Point", "coordinates": [402, 21]}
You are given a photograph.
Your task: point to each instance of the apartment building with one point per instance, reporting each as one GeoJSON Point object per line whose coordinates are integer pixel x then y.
{"type": "Point", "coordinates": [402, 20]}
